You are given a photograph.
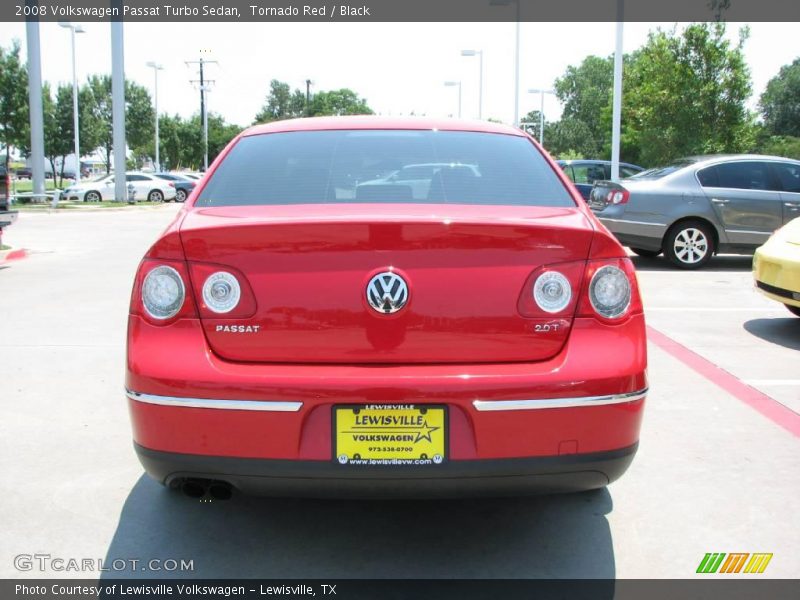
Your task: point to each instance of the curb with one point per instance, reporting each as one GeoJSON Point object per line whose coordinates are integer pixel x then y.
{"type": "Point", "coordinates": [9, 255]}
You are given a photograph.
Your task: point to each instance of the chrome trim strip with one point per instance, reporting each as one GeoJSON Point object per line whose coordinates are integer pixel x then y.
{"type": "Point", "coordinates": [260, 405]}
{"type": "Point", "coordinates": [626, 222]}
{"type": "Point", "coordinates": [489, 405]}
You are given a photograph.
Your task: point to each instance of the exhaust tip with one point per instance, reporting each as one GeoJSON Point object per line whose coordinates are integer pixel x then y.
{"type": "Point", "coordinates": [220, 490]}
{"type": "Point", "coordinates": [194, 488]}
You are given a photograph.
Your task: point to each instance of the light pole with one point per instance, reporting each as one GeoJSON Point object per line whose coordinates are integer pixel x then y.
{"type": "Point", "coordinates": [156, 68]}
{"type": "Point", "coordinates": [516, 55]}
{"type": "Point", "coordinates": [479, 53]}
{"type": "Point", "coordinates": [204, 89]}
{"type": "Point", "coordinates": [542, 92]}
{"type": "Point", "coordinates": [73, 30]}
{"type": "Point", "coordinates": [452, 84]}
{"type": "Point", "coordinates": [616, 112]}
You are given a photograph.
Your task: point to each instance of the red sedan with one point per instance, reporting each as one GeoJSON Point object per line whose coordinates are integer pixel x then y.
{"type": "Point", "coordinates": [400, 307]}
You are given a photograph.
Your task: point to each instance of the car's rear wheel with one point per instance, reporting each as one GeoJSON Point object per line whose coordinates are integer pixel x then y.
{"type": "Point", "coordinates": [92, 196]}
{"type": "Point", "coordinates": [646, 253]}
{"type": "Point", "coordinates": [689, 245]}
{"type": "Point", "coordinates": [795, 310]}
{"type": "Point", "coordinates": [180, 196]}
{"type": "Point", "coordinates": [155, 196]}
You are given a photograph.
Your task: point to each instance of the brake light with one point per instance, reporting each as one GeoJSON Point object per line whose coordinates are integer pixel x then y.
{"type": "Point", "coordinates": [161, 292]}
{"type": "Point", "coordinates": [620, 196]}
{"type": "Point", "coordinates": [611, 291]}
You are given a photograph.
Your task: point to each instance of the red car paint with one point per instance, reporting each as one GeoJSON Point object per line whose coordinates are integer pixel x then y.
{"type": "Point", "coordinates": [302, 269]}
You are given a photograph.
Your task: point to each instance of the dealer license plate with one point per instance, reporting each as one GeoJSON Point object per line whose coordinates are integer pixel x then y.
{"type": "Point", "coordinates": [390, 434]}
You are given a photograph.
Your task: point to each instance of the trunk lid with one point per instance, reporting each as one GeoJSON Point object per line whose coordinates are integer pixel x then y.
{"type": "Point", "coordinates": [309, 267]}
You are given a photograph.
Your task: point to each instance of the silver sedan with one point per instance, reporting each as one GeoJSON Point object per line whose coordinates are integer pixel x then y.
{"type": "Point", "coordinates": [701, 206]}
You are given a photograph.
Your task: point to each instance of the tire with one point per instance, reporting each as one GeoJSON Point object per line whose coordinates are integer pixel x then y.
{"type": "Point", "coordinates": [92, 196]}
{"type": "Point", "coordinates": [646, 253]}
{"type": "Point", "coordinates": [180, 195]}
{"type": "Point", "coordinates": [155, 196]}
{"type": "Point", "coordinates": [689, 244]}
{"type": "Point", "coordinates": [795, 310]}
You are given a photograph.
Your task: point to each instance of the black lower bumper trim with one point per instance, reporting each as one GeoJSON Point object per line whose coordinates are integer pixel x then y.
{"type": "Point", "coordinates": [306, 478]}
{"type": "Point", "coordinates": [776, 291]}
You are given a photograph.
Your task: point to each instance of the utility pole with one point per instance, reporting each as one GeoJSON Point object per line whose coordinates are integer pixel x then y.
{"type": "Point", "coordinates": [308, 97]}
{"type": "Point", "coordinates": [204, 87]}
{"type": "Point", "coordinates": [36, 114]}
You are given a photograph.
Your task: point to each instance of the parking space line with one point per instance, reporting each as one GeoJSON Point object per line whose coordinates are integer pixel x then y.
{"type": "Point", "coordinates": [778, 382]}
{"type": "Point", "coordinates": [769, 407]}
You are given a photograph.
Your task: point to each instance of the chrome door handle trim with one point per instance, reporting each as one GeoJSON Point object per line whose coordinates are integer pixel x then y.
{"type": "Point", "coordinates": [792, 204]}
{"type": "Point", "coordinates": [719, 201]}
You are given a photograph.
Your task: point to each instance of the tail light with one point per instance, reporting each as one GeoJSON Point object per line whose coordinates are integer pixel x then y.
{"type": "Point", "coordinates": [611, 292]}
{"type": "Point", "coordinates": [604, 289]}
{"type": "Point", "coordinates": [619, 196]}
{"type": "Point", "coordinates": [170, 184]}
{"type": "Point", "coordinates": [161, 292]}
{"type": "Point", "coordinates": [222, 292]}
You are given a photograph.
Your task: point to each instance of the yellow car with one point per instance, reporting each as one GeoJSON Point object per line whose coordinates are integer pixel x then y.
{"type": "Point", "coordinates": [776, 266]}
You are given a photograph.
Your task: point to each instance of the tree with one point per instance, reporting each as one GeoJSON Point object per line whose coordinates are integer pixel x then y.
{"type": "Point", "coordinates": [780, 102]}
{"type": "Point", "coordinates": [685, 94]}
{"type": "Point", "coordinates": [58, 127]}
{"type": "Point", "coordinates": [585, 93]}
{"type": "Point", "coordinates": [97, 112]}
{"type": "Point", "coordinates": [281, 103]}
{"type": "Point", "coordinates": [569, 138]}
{"type": "Point", "coordinates": [338, 102]}
{"type": "Point", "coordinates": [13, 100]}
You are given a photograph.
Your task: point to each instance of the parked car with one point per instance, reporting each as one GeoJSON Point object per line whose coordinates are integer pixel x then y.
{"type": "Point", "coordinates": [146, 187]}
{"type": "Point", "coordinates": [415, 177]}
{"type": "Point", "coordinates": [7, 216]}
{"type": "Point", "coordinates": [286, 338]}
{"type": "Point", "coordinates": [776, 267]}
{"type": "Point", "coordinates": [696, 207]}
{"type": "Point", "coordinates": [183, 185]}
{"type": "Point", "coordinates": [584, 173]}
{"type": "Point", "coordinates": [23, 173]}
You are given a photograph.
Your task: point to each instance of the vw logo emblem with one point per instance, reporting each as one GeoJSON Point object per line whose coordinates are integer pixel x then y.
{"type": "Point", "coordinates": [387, 292]}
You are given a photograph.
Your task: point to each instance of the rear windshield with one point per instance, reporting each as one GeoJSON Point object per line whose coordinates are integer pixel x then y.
{"type": "Point", "coordinates": [377, 166]}
{"type": "Point", "coordinates": [659, 172]}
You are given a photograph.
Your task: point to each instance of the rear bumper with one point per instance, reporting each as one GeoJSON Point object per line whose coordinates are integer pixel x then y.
{"type": "Point", "coordinates": [194, 414]}
{"type": "Point", "coordinates": [498, 477]}
{"type": "Point", "coordinates": [776, 270]}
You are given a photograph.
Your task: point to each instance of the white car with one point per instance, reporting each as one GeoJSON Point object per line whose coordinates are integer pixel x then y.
{"type": "Point", "coordinates": [146, 187]}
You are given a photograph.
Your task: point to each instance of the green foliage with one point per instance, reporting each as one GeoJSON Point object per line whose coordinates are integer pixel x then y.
{"type": "Point", "coordinates": [569, 137]}
{"type": "Point", "coordinates": [97, 119]}
{"type": "Point", "coordinates": [585, 92]}
{"type": "Point", "coordinates": [282, 103]}
{"type": "Point", "coordinates": [338, 102]}
{"type": "Point", "coordinates": [788, 146]}
{"type": "Point", "coordinates": [685, 94]}
{"type": "Point", "coordinates": [13, 99]}
{"type": "Point", "coordinates": [780, 102]}
{"type": "Point", "coordinates": [181, 140]}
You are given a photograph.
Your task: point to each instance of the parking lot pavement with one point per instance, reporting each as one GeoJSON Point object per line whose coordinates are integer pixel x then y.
{"type": "Point", "coordinates": [713, 474]}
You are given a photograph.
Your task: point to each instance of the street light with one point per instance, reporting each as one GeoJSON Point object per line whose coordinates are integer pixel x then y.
{"type": "Point", "coordinates": [541, 110]}
{"type": "Point", "coordinates": [156, 68]}
{"type": "Point", "coordinates": [73, 30]}
{"type": "Point", "coordinates": [479, 53]}
{"type": "Point", "coordinates": [452, 84]}
{"type": "Point", "coordinates": [516, 56]}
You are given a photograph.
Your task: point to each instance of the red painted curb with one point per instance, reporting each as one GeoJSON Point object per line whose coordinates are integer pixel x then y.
{"type": "Point", "coordinates": [14, 255]}
{"type": "Point", "coordinates": [769, 407]}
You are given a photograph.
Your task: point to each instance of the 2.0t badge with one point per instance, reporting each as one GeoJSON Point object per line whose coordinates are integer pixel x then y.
{"type": "Point", "coordinates": [387, 292]}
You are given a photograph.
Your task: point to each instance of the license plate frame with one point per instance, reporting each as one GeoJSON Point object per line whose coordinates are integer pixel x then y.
{"type": "Point", "coordinates": [396, 443]}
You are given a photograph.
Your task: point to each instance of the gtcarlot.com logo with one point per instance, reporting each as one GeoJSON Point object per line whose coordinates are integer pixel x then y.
{"type": "Point", "coordinates": [735, 562]}
{"type": "Point", "coordinates": [48, 562]}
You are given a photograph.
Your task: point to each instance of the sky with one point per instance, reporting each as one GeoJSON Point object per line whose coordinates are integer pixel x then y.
{"type": "Point", "coordinates": [397, 67]}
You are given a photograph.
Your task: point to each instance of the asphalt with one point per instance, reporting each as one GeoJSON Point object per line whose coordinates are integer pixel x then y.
{"type": "Point", "coordinates": [717, 469]}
